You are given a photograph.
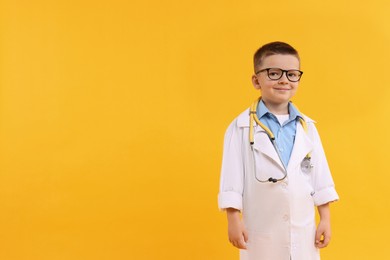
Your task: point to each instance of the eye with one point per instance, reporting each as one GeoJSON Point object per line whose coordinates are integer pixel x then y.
{"type": "Point", "coordinates": [274, 72]}
{"type": "Point", "coordinates": [293, 74]}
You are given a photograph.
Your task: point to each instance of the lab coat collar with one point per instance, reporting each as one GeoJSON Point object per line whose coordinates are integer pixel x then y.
{"type": "Point", "coordinates": [262, 142]}
{"type": "Point", "coordinates": [302, 144]}
{"type": "Point", "coordinates": [264, 145]}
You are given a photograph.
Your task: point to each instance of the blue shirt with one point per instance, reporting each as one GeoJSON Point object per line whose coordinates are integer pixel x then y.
{"type": "Point", "coordinates": [284, 134]}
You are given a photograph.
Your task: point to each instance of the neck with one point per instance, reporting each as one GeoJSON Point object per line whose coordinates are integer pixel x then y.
{"type": "Point", "coordinates": [277, 108]}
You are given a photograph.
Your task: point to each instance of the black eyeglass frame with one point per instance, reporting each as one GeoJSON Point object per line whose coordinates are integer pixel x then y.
{"type": "Point", "coordinates": [281, 75]}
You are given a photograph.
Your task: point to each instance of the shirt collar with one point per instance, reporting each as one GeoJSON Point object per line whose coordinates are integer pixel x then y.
{"type": "Point", "coordinates": [263, 110]}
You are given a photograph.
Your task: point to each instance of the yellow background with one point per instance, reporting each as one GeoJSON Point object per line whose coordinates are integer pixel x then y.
{"type": "Point", "coordinates": [112, 116]}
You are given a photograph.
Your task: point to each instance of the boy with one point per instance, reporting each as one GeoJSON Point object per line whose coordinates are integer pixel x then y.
{"type": "Point", "coordinates": [274, 169]}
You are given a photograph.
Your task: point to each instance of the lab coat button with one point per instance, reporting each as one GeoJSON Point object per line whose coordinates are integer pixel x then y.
{"type": "Point", "coordinates": [285, 217]}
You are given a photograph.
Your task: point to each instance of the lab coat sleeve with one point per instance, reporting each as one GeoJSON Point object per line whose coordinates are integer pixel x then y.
{"type": "Point", "coordinates": [324, 188]}
{"type": "Point", "coordinates": [232, 171]}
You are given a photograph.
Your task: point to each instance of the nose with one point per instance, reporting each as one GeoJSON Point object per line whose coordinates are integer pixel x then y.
{"type": "Point", "coordinates": [284, 79]}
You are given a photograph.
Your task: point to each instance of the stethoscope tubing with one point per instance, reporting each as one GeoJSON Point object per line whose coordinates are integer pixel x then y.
{"type": "Point", "coordinates": [253, 118]}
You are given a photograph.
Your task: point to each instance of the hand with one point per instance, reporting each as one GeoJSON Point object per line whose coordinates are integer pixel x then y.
{"type": "Point", "coordinates": [237, 233]}
{"type": "Point", "coordinates": [323, 234]}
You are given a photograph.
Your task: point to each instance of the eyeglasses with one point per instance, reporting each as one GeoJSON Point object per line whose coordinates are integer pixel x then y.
{"type": "Point", "coordinates": [276, 73]}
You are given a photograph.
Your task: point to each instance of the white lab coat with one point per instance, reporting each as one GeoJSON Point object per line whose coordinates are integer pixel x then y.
{"type": "Point", "coordinates": [279, 217]}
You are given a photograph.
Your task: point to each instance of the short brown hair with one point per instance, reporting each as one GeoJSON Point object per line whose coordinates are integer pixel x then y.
{"type": "Point", "coordinates": [272, 48]}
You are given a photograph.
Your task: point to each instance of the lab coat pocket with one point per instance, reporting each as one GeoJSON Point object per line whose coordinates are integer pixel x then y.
{"type": "Point", "coordinates": [307, 179]}
{"type": "Point", "coordinates": [307, 166]}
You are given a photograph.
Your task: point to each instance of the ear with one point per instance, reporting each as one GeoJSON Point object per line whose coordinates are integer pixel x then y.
{"type": "Point", "coordinates": [255, 82]}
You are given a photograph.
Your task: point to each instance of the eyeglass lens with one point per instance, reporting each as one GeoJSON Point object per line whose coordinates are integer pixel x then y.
{"type": "Point", "coordinates": [292, 75]}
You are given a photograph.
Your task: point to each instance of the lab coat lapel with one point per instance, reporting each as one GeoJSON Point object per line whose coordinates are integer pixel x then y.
{"type": "Point", "coordinates": [302, 146]}
{"type": "Point", "coordinates": [264, 145]}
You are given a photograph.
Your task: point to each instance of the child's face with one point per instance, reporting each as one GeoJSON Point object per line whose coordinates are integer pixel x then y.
{"type": "Point", "coordinates": [276, 92]}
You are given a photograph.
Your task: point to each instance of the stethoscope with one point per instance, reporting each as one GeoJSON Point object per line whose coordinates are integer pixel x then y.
{"type": "Point", "coordinates": [306, 165]}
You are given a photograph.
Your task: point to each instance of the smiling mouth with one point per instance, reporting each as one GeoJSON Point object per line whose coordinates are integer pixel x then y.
{"type": "Point", "coordinates": [283, 89]}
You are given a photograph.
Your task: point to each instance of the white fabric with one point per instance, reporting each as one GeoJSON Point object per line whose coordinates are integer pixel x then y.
{"type": "Point", "coordinates": [282, 118]}
{"type": "Point", "coordinates": [279, 217]}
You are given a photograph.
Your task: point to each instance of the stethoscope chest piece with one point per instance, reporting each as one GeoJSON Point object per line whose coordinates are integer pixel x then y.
{"type": "Point", "coordinates": [306, 165]}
